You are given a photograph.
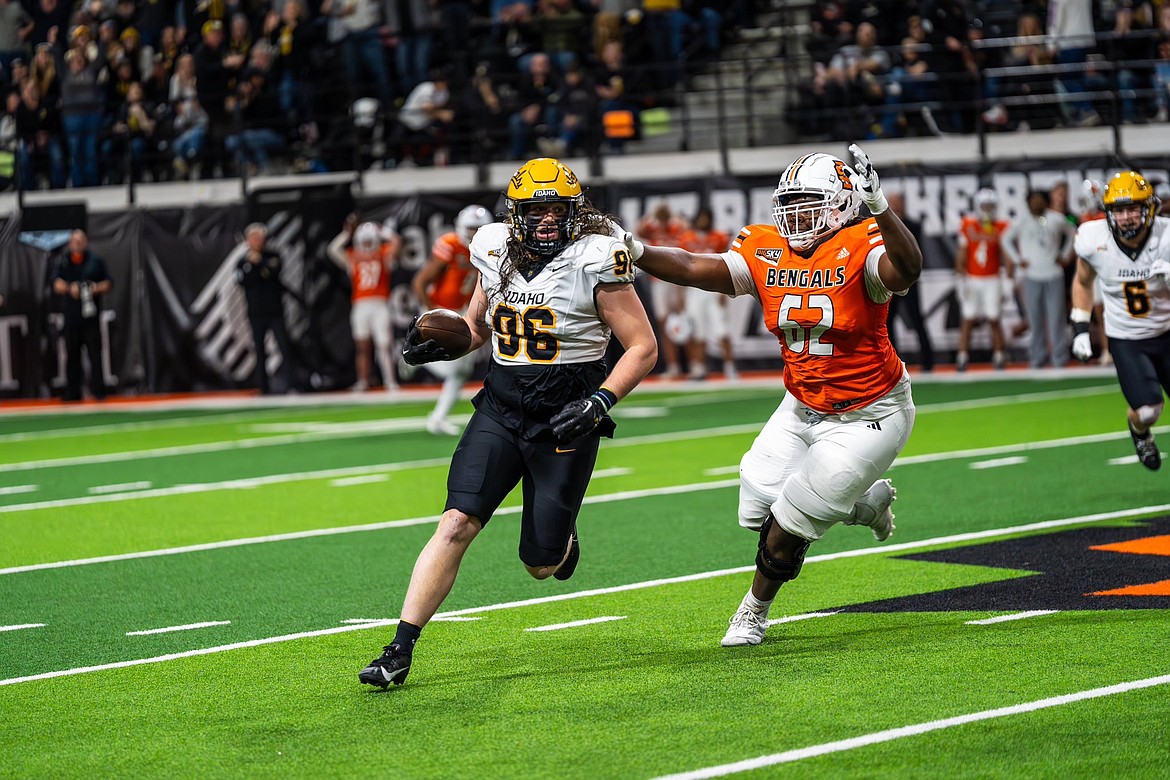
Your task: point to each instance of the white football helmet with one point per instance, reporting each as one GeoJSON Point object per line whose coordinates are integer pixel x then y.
{"type": "Point", "coordinates": [986, 201]}
{"type": "Point", "coordinates": [471, 219]}
{"type": "Point", "coordinates": [367, 236]}
{"type": "Point", "coordinates": [815, 198]}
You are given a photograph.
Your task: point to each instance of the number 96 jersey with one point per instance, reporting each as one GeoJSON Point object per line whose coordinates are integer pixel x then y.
{"type": "Point", "coordinates": [552, 317]}
{"type": "Point", "coordinates": [1137, 303]}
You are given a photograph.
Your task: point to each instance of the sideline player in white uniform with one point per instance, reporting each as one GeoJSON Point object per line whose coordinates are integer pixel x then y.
{"type": "Point", "coordinates": [1128, 252]}
{"type": "Point", "coordinates": [553, 286]}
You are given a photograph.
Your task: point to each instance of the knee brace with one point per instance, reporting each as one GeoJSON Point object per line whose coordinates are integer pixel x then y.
{"type": "Point", "coordinates": [1148, 415]}
{"type": "Point", "coordinates": [773, 568]}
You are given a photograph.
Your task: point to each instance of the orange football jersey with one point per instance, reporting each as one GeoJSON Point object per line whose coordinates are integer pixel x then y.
{"type": "Point", "coordinates": [705, 242]}
{"type": "Point", "coordinates": [837, 354]}
{"type": "Point", "coordinates": [370, 273]}
{"type": "Point", "coordinates": [983, 244]}
{"type": "Point", "coordinates": [455, 285]}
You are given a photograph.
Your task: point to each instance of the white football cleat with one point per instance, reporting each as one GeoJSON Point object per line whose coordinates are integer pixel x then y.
{"type": "Point", "coordinates": [747, 628]}
{"type": "Point", "coordinates": [873, 509]}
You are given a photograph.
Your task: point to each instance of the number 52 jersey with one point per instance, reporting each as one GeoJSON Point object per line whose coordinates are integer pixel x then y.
{"type": "Point", "coordinates": [1137, 304]}
{"type": "Point", "coordinates": [828, 311]}
{"type": "Point", "coordinates": [551, 318]}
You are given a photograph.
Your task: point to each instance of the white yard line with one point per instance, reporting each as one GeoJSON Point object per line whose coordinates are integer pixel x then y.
{"type": "Point", "coordinates": [121, 487]}
{"type": "Point", "coordinates": [804, 616]}
{"type": "Point", "coordinates": [1016, 616]}
{"type": "Point", "coordinates": [145, 425]}
{"type": "Point", "coordinates": [1014, 460]}
{"type": "Point", "coordinates": [588, 593]}
{"type": "Point", "coordinates": [22, 626]}
{"type": "Point", "coordinates": [184, 627]}
{"type": "Point", "coordinates": [720, 471]}
{"type": "Point", "coordinates": [575, 623]}
{"type": "Point", "coordinates": [614, 472]}
{"type": "Point", "coordinates": [915, 730]}
{"type": "Point", "coordinates": [364, 479]}
{"type": "Point", "coordinates": [13, 490]}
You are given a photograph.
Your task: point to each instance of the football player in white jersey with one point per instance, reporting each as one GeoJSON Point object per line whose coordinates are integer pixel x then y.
{"type": "Point", "coordinates": [553, 285]}
{"type": "Point", "coordinates": [1128, 252]}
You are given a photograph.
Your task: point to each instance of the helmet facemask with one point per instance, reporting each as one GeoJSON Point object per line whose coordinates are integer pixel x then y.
{"type": "Point", "coordinates": [804, 216]}
{"type": "Point", "coordinates": [538, 234]}
{"type": "Point", "coordinates": [1147, 209]}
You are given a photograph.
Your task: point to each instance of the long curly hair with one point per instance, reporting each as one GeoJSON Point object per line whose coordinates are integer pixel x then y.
{"type": "Point", "coordinates": [518, 260]}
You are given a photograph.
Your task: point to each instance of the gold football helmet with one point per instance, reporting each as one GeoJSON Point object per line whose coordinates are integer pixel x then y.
{"type": "Point", "coordinates": [1125, 191]}
{"type": "Point", "coordinates": [543, 182]}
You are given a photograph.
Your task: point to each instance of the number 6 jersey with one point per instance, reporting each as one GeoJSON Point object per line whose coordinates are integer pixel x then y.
{"type": "Point", "coordinates": [828, 312]}
{"type": "Point", "coordinates": [551, 318]}
{"type": "Point", "coordinates": [1137, 305]}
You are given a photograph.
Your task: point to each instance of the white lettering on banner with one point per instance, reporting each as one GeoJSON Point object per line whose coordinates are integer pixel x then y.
{"type": "Point", "coordinates": [18, 322]}
{"type": "Point", "coordinates": [104, 320]}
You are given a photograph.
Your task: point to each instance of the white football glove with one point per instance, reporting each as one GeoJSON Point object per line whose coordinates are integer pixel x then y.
{"type": "Point", "coordinates": [1082, 347]}
{"type": "Point", "coordinates": [866, 182]}
{"type": "Point", "coordinates": [1160, 269]}
{"type": "Point", "coordinates": [635, 246]}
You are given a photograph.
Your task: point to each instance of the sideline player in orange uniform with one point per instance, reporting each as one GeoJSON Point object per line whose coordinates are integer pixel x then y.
{"type": "Point", "coordinates": [447, 282]}
{"type": "Point", "coordinates": [978, 261]}
{"type": "Point", "coordinates": [662, 228]}
{"type": "Point", "coordinates": [707, 311]}
{"type": "Point", "coordinates": [824, 277]}
{"type": "Point", "coordinates": [369, 261]}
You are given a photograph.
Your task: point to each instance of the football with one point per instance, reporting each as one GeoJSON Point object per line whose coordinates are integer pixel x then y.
{"type": "Point", "coordinates": [446, 327]}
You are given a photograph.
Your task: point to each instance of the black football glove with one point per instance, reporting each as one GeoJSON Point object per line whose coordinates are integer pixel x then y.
{"type": "Point", "coordinates": [416, 352]}
{"type": "Point", "coordinates": [580, 417]}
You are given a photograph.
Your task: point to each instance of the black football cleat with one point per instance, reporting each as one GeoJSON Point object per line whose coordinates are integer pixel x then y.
{"type": "Point", "coordinates": [390, 667]}
{"type": "Point", "coordinates": [570, 564]}
{"type": "Point", "coordinates": [1147, 450]}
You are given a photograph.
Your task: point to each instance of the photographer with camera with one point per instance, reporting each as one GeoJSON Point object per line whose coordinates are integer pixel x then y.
{"type": "Point", "coordinates": [82, 279]}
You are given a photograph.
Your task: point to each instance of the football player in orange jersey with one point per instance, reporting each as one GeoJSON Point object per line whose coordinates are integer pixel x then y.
{"type": "Point", "coordinates": [447, 282]}
{"type": "Point", "coordinates": [824, 276]}
{"type": "Point", "coordinates": [369, 261]}
{"type": "Point", "coordinates": [978, 262]}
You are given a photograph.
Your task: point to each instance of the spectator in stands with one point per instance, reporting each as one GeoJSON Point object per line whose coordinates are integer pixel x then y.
{"type": "Point", "coordinates": [908, 307]}
{"type": "Point", "coordinates": [216, 71]}
{"type": "Point", "coordinates": [979, 263]}
{"type": "Point", "coordinates": [413, 23]}
{"type": "Point", "coordinates": [576, 103]}
{"type": "Point", "coordinates": [911, 83]}
{"type": "Point", "coordinates": [561, 28]}
{"type": "Point", "coordinates": [830, 31]}
{"type": "Point", "coordinates": [9, 142]}
{"type": "Point", "coordinates": [45, 15]}
{"type": "Point", "coordinates": [260, 123]}
{"type": "Point", "coordinates": [125, 16]}
{"type": "Point", "coordinates": [1040, 244]}
{"type": "Point", "coordinates": [43, 70]}
{"type": "Point", "coordinates": [258, 272]}
{"type": "Point", "coordinates": [38, 126]}
{"type": "Point", "coordinates": [707, 311]}
{"type": "Point", "coordinates": [82, 108]}
{"type": "Point", "coordinates": [1129, 49]}
{"type": "Point", "coordinates": [479, 128]}
{"type": "Point", "coordinates": [132, 50]}
{"type": "Point", "coordinates": [1071, 38]}
{"type": "Point", "coordinates": [157, 86]}
{"type": "Point", "coordinates": [537, 115]}
{"type": "Point", "coordinates": [293, 38]}
{"type": "Point", "coordinates": [607, 22]}
{"type": "Point", "coordinates": [1162, 78]}
{"type": "Point", "coordinates": [422, 125]}
{"type": "Point", "coordinates": [455, 36]}
{"type": "Point", "coordinates": [131, 136]}
{"type": "Point", "coordinates": [361, 49]}
{"type": "Point", "coordinates": [82, 279]}
{"type": "Point", "coordinates": [946, 24]}
{"type": "Point", "coordinates": [855, 77]}
{"type": "Point", "coordinates": [190, 120]}
{"type": "Point", "coordinates": [618, 93]}
{"type": "Point", "coordinates": [169, 47]}
{"type": "Point", "coordinates": [665, 23]}
{"type": "Point", "coordinates": [369, 260]}
{"type": "Point", "coordinates": [662, 228]}
{"type": "Point", "coordinates": [14, 25]}
{"type": "Point", "coordinates": [240, 35]}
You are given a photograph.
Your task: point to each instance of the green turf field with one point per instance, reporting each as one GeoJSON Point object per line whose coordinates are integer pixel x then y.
{"type": "Point", "coordinates": [190, 593]}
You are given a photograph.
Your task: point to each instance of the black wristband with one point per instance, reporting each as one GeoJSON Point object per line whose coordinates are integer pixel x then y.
{"type": "Point", "coordinates": [606, 397]}
{"type": "Point", "coordinates": [1080, 327]}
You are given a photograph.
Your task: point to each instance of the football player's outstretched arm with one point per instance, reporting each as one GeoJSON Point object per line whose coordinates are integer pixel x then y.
{"type": "Point", "coordinates": [672, 264]}
{"type": "Point", "coordinates": [902, 264]}
{"type": "Point", "coordinates": [620, 308]}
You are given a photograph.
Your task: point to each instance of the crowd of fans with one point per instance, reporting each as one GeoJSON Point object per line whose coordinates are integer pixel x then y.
{"type": "Point", "coordinates": [939, 66]}
{"type": "Point", "coordinates": [163, 89]}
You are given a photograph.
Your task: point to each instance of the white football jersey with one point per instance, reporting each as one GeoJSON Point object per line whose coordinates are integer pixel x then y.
{"type": "Point", "coordinates": [1137, 306]}
{"type": "Point", "coordinates": [553, 317]}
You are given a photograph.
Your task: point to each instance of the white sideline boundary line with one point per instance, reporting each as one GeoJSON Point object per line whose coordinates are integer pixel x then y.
{"type": "Point", "coordinates": [594, 592]}
{"type": "Point", "coordinates": [914, 730]}
{"type": "Point", "coordinates": [22, 626]}
{"type": "Point", "coordinates": [1015, 616]}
